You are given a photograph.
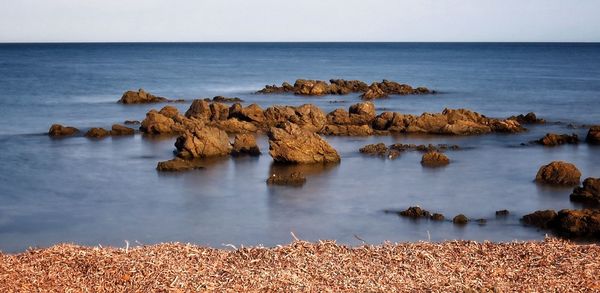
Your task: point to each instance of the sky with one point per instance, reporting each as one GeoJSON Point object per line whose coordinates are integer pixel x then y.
{"type": "Point", "coordinates": [304, 20]}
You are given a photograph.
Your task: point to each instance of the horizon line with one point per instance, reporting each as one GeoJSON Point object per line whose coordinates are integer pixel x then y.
{"type": "Point", "coordinates": [302, 42]}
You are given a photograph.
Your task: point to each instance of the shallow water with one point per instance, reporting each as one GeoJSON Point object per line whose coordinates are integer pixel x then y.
{"type": "Point", "coordinates": [107, 191]}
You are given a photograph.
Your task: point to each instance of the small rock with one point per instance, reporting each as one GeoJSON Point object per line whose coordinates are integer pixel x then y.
{"type": "Point", "coordinates": [593, 136]}
{"type": "Point", "coordinates": [57, 130]}
{"type": "Point", "coordinates": [588, 193]}
{"type": "Point", "coordinates": [541, 219]}
{"type": "Point", "coordinates": [132, 122]}
{"type": "Point", "coordinates": [552, 139]}
{"type": "Point", "coordinates": [529, 118]}
{"type": "Point", "coordinates": [460, 219]}
{"type": "Point", "coordinates": [293, 179]}
{"type": "Point", "coordinates": [245, 144]}
{"type": "Point", "coordinates": [502, 213]}
{"type": "Point", "coordinates": [434, 159]}
{"type": "Point", "coordinates": [437, 217]}
{"type": "Point", "coordinates": [176, 165]}
{"type": "Point", "coordinates": [415, 212]}
{"type": "Point", "coordinates": [140, 97]}
{"type": "Point", "coordinates": [223, 99]}
{"type": "Point", "coordinates": [559, 173]}
{"type": "Point", "coordinates": [379, 149]}
{"type": "Point", "coordinates": [97, 132]}
{"type": "Point", "coordinates": [121, 130]}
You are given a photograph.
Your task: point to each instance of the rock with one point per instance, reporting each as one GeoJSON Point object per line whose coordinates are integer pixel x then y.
{"type": "Point", "coordinates": [423, 148]}
{"type": "Point", "coordinates": [379, 149]}
{"type": "Point", "coordinates": [502, 213]}
{"type": "Point", "coordinates": [293, 179]}
{"type": "Point", "coordinates": [559, 173]}
{"type": "Point", "coordinates": [199, 109]}
{"type": "Point", "coordinates": [437, 217]}
{"type": "Point", "coordinates": [176, 165]}
{"type": "Point", "coordinates": [460, 219]}
{"type": "Point", "coordinates": [529, 118]}
{"type": "Point", "coordinates": [347, 130]}
{"type": "Point", "coordinates": [362, 113]}
{"type": "Point", "coordinates": [253, 113]}
{"type": "Point", "coordinates": [140, 97]}
{"type": "Point", "coordinates": [97, 132]}
{"type": "Point", "coordinates": [168, 121]}
{"type": "Point", "coordinates": [234, 125]}
{"type": "Point", "coordinates": [541, 219]}
{"type": "Point", "coordinates": [222, 99]}
{"type": "Point", "coordinates": [343, 87]}
{"type": "Point", "coordinates": [589, 193]}
{"type": "Point", "coordinates": [132, 122]}
{"type": "Point", "coordinates": [121, 130]}
{"type": "Point", "coordinates": [415, 213]}
{"type": "Point", "coordinates": [57, 130]}
{"type": "Point", "coordinates": [307, 116]}
{"type": "Point", "coordinates": [292, 144]}
{"type": "Point", "coordinates": [245, 144]}
{"type": "Point", "coordinates": [374, 92]}
{"type": "Point", "coordinates": [202, 142]}
{"type": "Point", "coordinates": [551, 139]}
{"type": "Point", "coordinates": [583, 223]}
{"type": "Point", "coordinates": [434, 159]}
{"type": "Point", "coordinates": [481, 221]}
{"type": "Point", "coordinates": [593, 136]}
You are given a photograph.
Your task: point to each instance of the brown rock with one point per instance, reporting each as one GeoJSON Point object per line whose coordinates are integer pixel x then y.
{"type": "Point", "coordinates": [378, 149]}
{"type": "Point", "coordinates": [588, 193]}
{"type": "Point", "coordinates": [121, 130]}
{"type": "Point", "coordinates": [132, 122]}
{"type": "Point", "coordinates": [140, 97]}
{"type": "Point", "coordinates": [362, 113]}
{"type": "Point", "coordinates": [552, 139]}
{"type": "Point", "coordinates": [57, 130]}
{"type": "Point", "coordinates": [222, 99]}
{"type": "Point", "coordinates": [199, 109]}
{"type": "Point", "coordinates": [167, 121]}
{"type": "Point", "coordinates": [437, 217]}
{"type": "Point", "coordinates": [559, 173]}
{"type": "Point", "coordinates": [415, 213]}
{"type": "Point", "coordinates": [292, 144]}
{"type": "Point", "coordinates": [245, 144]}
{"type": "Point", "coordinates": [434, 159]}
{"type": "Point", "coordinates": [460, 219]}
{"type": "Point", "coordinates": [202, 142]}
{"type": "Point", "coordinates": [97, 132]}
{"type": "Point", "coordinates": [293, 179]}
{"type": "Point", "coordinates": [234, 125]}
{"type": "Point", "coordinates": [583, 223]}
{"type": "Point", "coordinates": [177, 164]}
{"type": "Point", "coordinates": [541, 219]}
{"type": "Point", "coordinates": [529, 118]}
{"type": "Point", "coordinates": [374, 92]}
{"type": "Point", "coordinates": [593, 136]}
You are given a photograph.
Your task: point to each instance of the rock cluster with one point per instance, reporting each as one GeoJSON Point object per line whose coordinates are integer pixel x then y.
{"type": "Point", "coordinates": [417, 212]}
{"type": "Point", "coordinates": [584, 223]}
{"type": "Point", "coordinates": [293, 179]}
{"type": "Point", "coordinates": [551, 139]}
{"type": "Point", "coordinates": [222, 99]}
{"type": "Point", "coordinates": [559, 173]}
{"type": "Point", "coordinates": [593, 135]}
{"type": "Point", "coordinates": [589, 193]}
{"type": "Point", "coordinates": [116, 130]}
{"type": "Point", "coordinates": [529, 118]}
{"type": "Point", "coordinates": [57, 130]}
{"type": "Point", "coordinates": [342, 87]}
{"type": "Point", "coordinates": [434, 159]}
{"type": "Point", "coordinates": [380, 149]}
{"type": "Point", "coordinates": [177, 165]}
{"type": "Point", "coordinates": [140, 97]}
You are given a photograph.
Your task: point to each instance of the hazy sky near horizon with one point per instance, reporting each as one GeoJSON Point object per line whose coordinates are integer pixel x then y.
{"type": "Point", "coordinates": [306, 20]}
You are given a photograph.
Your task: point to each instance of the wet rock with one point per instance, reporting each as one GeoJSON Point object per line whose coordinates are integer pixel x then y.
{"type": "Point", "coordinates": [233, 125]}
{"type": "Point", "coordinates": [551, 139]}
{"type": "Point", "coordinates": [559, 173]}
{"type": "Point", "coordinates": [415, 213]}
{"type": "Point", "coordinates": [245, 144]}
{"type": "Point", "coordinates": [347, 130]}
{"type": "Point", "coordinates": [460, 219]}
{"type": "Point", "coordinates": [177, 165]}
{"type": "Point", "coordinates": [362, 113]}
{"type": "Point", "coordinates": [529, 118]}
{"type": "Point", "coordinates": [542, 219]}
{"type": "Point", "coordinates": [307, 116]}
{"type": "Point", "coordinates": [343, 87]}
{"type": "Point", "coordinates": [583, 223]}
{"type": "Point", "coordinates": [292, 144]}
{"type": "Point", "coordinates": [252, 113]}
{"type": "Point", "coordinates": [593, 136]}
{"type": "Point", "coordinates": [293, 179]}
{"type": "Point", "coordinates": [121, 130]}
{"type": "Point", "coordinates": [222, 99]}
{"type": "Point", "coordinates": [140, 97]}
{"type": "Point", "coordinates": [131, 122]}
{"type": "Point", "coordinates": [168, 121]}
{"type": "Point", "coordinates": [374, 92]}
{"type": "Point", "coordinates": [502, 213]}
{"type": "Point", "coordinates": [423, 148]}
{"type": "Point", "coordinates": [434, 159]}
{"type": "Point", "coordinates": [437, 217]}
{"type": "Point", "coordinates": [589, 193]}
{"type": "Point", "coordinates": [202, 142]}
{"type": "Point", "coordinates": [97, 132]}
{"type": "Point", "coordinates": [199, 109]}
{"type": "Point", "coordinates": [311, 87]}
{"type": "Point", "coordinates": [57, 130]}
{"type": "Point", "coordinates": [378, 149]}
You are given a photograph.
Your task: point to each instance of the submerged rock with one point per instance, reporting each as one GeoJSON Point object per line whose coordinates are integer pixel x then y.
{"type": "Point", "coordinates": [292, 144]}
{"type": "Point", "coordinates": [97, 132]}
{"type": "Point", "coordinates": [588, 193]}
{"type": "Point", "coordinates": [222, 99]}
{"type": "Point", "coordinates": [437, 217]}
{"type": "Point", "coordinates": [378, 149]}
{"type": "Point", "coordinates": [584, 223]}
{"type": "Point", "coordinates": [140, 97]}
{"type": "Point", "coordinates": [202, 142]}
{"type": "Point", "coordinates": [529, 118]}
{"type": "Point", "coordinates": [121, 130]}
{"type": "Point", "coordinates": [559, 173]}
{"type": "Point", "coordinates": [434, 159]}
{"type": "Point", "coordinates": [552, 139]}
{"type": "Point", "coordinates": [415, 212]}
{"type": "Point", "coordinates": [502, 213]}
{"type": "Point", "coordinates": [177, 165]}
{"type": "Point", "coordinates": [293, 179]}
{"type": "Point", "coordinates": [541, 219]}
{"type": "Point", "coordinates": [245, 144]}
{"type": "Point", "coordinates": [131, 122]}
{"type": "Point", "coordinates": [460, 219]}
{"type": "Point", "coordinates": [423, 148]}
{"type": "Point", "coordinates": [593, 136]}
{"type": "Point", "coordinates": [57, 130]}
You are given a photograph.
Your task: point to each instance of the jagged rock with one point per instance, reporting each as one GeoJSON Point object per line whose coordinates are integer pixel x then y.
{"type": "Point", "coordinates": [202, 142]}
{"type": "Point", "coordinates": [379, 149]}
{"type": "Point", "coordinates": [57, 130]}
{"type": "Point", "coordinates": [222, 99]}
{"type": "Point", "coordinates": [293, 179]}
{"type": "Point", "coordinates": [434, 159]}
{"type": "Point", "coordinates": [343, 87]}
{"type": "Point", "coordinates": [121, 130]}
{"type": "Point", "coordinates": [140, 97]}
{"type": "Point", "coordinates": [415, 213]}
{"type": "Point", "coordinates": [233, 125]}
{"type": "Point", "coordinates": [551, 139]}
{"type": "Point", "coordinates": [362, 113]}
{"type": "Point", "coordinates": [168, 121]}
{"type": "Point", "coordinates": [437, 217]}
{"type": "Point", "coordinates": [199, 109]}
{"type": "Point", "coordinates": [307, 116]}
{"type": "Point", "coordinates": [593, 136]}
{"type": "Point", "coordinates": [584, 223]}
{"type": "Point", "coordinates": [97, 132]}
{"type": "Point", "coordinates": [292, 144]}
{"type": "Point", "coordinates": [245, 144]}
{"type": "Point", "coordinates": [253, 113]}
{"type": "Point", "coordinates": [347, 130]}
{"type": "Point", "coordinates": [541, 219]}
{"type": "Point", "coordinates": [460, 219]}
{"type": "Point", "coordinates": [374, 92]}
{"type": "Point", "coordinates": [132, 122]}
{"type": "Point", "coordinates": [177, 164]}
{"type": "Point", "coordinates": [529, 118]}
{"type": "Point", "coordinates": [559, 173]}
{"type": "Point", "coordinates": [588, 193]}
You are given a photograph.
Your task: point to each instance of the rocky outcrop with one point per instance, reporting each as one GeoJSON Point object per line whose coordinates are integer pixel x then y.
{"type": "Point", "coordinates": [177, 165]}
{"type": "Point", "coordinates": [381, 150]}
{"type": "Point", "coordinates": [293, 144]}
{"type": "Point", "coordinates": [415, 213]}
{"type": "Point", "coordinates": [593, 136]}
{"type": "Point", "coordinates": [222, 99]}
{"type": "Point", "coordinates": [460, 220]}
{"type": "Point", "coordinates": [245, 144]}
{"type": "Point", "coordinates": [168, 121]}
{"type": "Point", "coordinates": [97, 132]}
{"type": "Point", "coordinates": [551, 139]}
{"type": "Point", "coordinates": [57, 130]}
{"type": "Point", "coordinates": [589, 193]}
{"type": "Point", "coordinates": [140, 97]}
{"type": "Point", "coordinates": [202, 142]}
{"type": "Point", "coordinates": [434, 159]}
{"type": "Point", "coordinates": [293, 179]}
{"type": "Point", "coordinates": [342, 87]}
{"type": "Point", "coordinates": [529, 118]}
{"type": "Point", "coordinates": [559, 173]}
{"type": "Point", "coordinates": [121, 130]}
{"type": "Point", "coordinates": [584, 223]}
{"type": "Point", "coordinates": [131, 122]}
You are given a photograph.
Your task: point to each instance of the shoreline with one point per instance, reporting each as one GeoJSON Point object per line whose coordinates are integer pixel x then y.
{"type": "Point", "coordinates": [468, 266]}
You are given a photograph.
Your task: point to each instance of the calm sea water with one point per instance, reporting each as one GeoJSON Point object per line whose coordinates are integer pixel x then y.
{"type": "Point", "coordinates": [105, 192]}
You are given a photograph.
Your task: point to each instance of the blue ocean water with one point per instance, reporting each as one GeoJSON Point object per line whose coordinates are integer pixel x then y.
{"type": "Point", "coordinates": [105, 192]}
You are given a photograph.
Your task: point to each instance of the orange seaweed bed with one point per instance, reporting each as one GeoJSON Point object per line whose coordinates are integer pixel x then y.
{"type": "Point", "coordinates": [551, 265]}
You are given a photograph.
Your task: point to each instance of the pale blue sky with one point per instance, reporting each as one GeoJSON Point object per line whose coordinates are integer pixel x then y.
{"type": "Point", "coordinates": [307, 20]}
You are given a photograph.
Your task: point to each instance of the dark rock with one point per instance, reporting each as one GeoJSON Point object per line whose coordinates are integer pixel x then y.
{"type": "Point", "coordinates": [121, 130]}
{"type": "Point", "coordinates": [460, 219]}
{"type": "Point", "coordinates": [132, 122]}
{"type": "Point", "coordinates": [293, 179]}
{"type": "Point", "coordinates": [541, 219]}
{"type": "Point", "coordinates": [502, 213]}
{"type": "Point", "coordinates": [593, 136]}
{"type": "Point", "coordinates": [481, 221]}
{"type": "Point", "coordinates": [583, 223]}
{"type": "Point", "coordinates": [559, 173]}
{"type": "Point", "coordinates": [437, 217]}
{"type": "Point", "coordinates": [292, 144]}
{"type": "Point", "coordinates": [245, 144]}
{"type": "Point", "coordinates": [434, 159]}
{"type": "Point", "coordinates": [202, 142]}
{"type": "Point", "coordinates": [378, 149]}
{"type": "Point", "coordinates": [140, 97]}
{"type": "Point", "coordinates": [97, 132]}
{"type": "Point", "coordinates": [57, 130]}
{"type": "Point", "coordinates": [423, 148]}
{"type": "Point", "coordinates": [415, 212]}
{"type": "Point", "coordinates": [374, 92]}
{"type": "Point", "coordinates": [589, 193]}
{"type": "Point", "coordinates": [223, 99]}
{"type": "Point", "coordinates": [529, 118]}
{"type": "Point", "coordinates": [177, 164]}
{"type": "Point", "coordinates": [552, 139]}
